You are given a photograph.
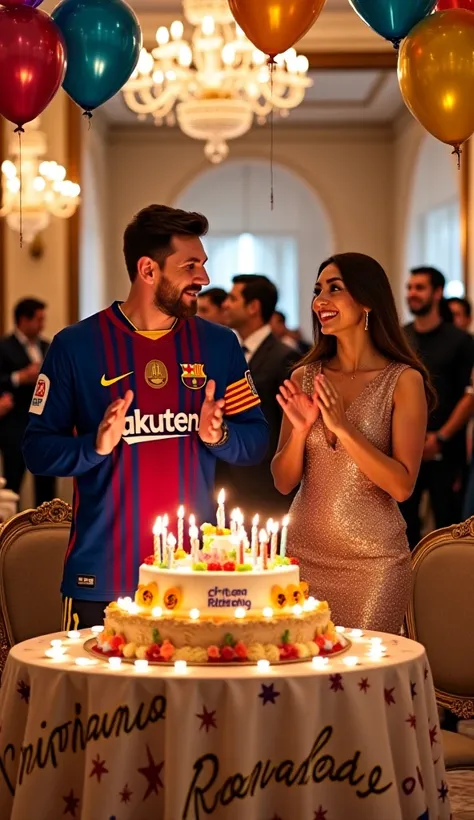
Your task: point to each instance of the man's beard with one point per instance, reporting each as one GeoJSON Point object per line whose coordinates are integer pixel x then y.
{"type": "Point", "coordinates": [421, 310]}
{"type": "Point", "coordinates": [168, 298]}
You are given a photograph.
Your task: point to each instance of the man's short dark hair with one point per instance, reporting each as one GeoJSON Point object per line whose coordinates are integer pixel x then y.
{"type": "Point", "coordinates": [216, 296]}
{"type": "Point", "coordinates": [465, 304]}
{"type": "Point", "coordinates": [151, 231]}
{"type": "Point", "coordinates": [258, 287]}
{"type": "Point", "coordinates": [281, 316]}
{"type": "Point", "coordinates": [438, 280]}
{"type": "Point", "coordinates": [27, 308]}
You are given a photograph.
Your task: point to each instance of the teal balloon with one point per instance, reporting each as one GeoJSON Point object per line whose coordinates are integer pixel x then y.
{"type": "Point", "coordinates": [392, 19]}
{"type": "Point", "coordinates": [103, 41]}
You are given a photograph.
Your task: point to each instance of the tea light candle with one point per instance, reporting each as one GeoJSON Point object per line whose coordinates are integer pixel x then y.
{"type": "Point", "coordinates": [340, 629]}
{"type": "Point", "coordinates": [267, 612]}
{"type": "Point", "coordinates": [180, 667]}
{"type": "Point", "coordinates": [97, 629]}
{"type": "Point", "coordinates": [157, 612]}
{"type": "Point", "coordinates": [74, 635]}
{"type": "Point", "coordinates": [194, 614]}
{"type": "Point", "coordinates": [319, 663]}
{"type": "Point", "coordinates": [157, 540]}
{"type": "Point", "coordinates": [115, 663]}
{"type": "Point", "coordinates": [263, 665]}
{"type": "Point", "coordinates": [180, 527]}
{"type": "Point", "coordinates": [86, 662]}
{"type": "Point", "coordinates": [141, 665]}
{"type": "Point", "coordinates": [56, 653]}
{"type": "Point", "coordinates": [56, 643]}
{"type": "Point", "coordinates": [352, 660]}
{"type": "Point", "coordinates": [284, 536]}
{"type": "Point", "coordinates": [221, 510]}
{"type": "Point", "coordinates": [297, 610]}
{"type": "Point", "coordinates": [133, 608]}
{"type": "Point", "coordinates": [356, 633]}
{"type": "Point", "coordinates": [240, 612]}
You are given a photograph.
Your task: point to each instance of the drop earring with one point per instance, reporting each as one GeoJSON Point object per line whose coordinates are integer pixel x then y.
{"type": "Point", "coordinates": [366, 320]}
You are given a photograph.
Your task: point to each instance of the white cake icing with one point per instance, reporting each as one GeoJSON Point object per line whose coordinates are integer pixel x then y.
{"type": "Point", "coordinates": [218, 594]}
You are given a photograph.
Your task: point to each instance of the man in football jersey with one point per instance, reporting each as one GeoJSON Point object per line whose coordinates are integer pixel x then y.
{"type": "Point", "coordinates": [137, 403]}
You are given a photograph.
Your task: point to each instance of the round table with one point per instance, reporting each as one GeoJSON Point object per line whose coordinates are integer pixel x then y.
{"type": "Point", "coordinates": [360, 742]}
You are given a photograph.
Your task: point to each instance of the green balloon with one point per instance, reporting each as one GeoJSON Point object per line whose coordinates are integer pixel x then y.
{"type": "Point", "coordinates": [103, 41]}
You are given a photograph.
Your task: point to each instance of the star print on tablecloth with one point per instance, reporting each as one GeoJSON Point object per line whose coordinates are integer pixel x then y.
{"type": "Point", "coordinates": [23, 690]}
{"type": "Point", "coordinates": [208, 719]}
{"type": "Point", "coordinates": [413, 689]}
{"type": "Point", "coordinates": [426, 672]}
{"type": "Point", "coordinates": [125, 795]}
{"type": "Point", "coordinates": [98, 768]}
{"type": "Point", "coordinates": [269, 694]}
{"type": "Point", "coordinates": [152, 774]}
{"type": "Point", "coordinates": [388, 695]}
{"type": "Point", "coordinates": [433, 733]}
{"type": "Point", "coordinates": [320, 814]}
{"type": "Point", "coordinates": [420, 777]}
{"type": "Point", "coordinates": [72, 803]}
{"type": "Point", "coordinates": [364, 685]}
{"type": "Point", "coordinates": [443, 791]}
{"type": "Point", "coordinates": [335, 683]}
{"type": "Point", "coordinates": [411, 719]}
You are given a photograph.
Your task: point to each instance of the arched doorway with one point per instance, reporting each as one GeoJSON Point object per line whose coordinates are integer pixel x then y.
{"type": "Point", "coordinates": [246, 236]}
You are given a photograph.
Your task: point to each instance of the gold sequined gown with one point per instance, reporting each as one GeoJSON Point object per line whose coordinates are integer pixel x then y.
{"type": "Point", "coordinates": [348, 534]}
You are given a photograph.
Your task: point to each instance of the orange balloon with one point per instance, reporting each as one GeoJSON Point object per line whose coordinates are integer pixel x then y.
{"type": "Point", "coordinates": [436, 74]}
{"type": "Point", "coordinates": [274, 26]}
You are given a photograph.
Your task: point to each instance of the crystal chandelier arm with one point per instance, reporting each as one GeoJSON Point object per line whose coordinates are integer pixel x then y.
{"type": "Point", "coordinates": [145, 102]}
{"type": "Point", "coordinates": [63, 207]}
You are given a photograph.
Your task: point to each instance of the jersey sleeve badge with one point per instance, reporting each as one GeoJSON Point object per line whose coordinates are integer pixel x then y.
{"type": "Point", "coordinates": [40, 395]}
{"type": "Point", "coordinates": [241, 396]}
{"type": "Point", "coordinates": [193, 376]}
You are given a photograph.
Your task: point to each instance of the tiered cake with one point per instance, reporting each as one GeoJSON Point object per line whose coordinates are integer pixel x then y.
{"type": "Point", "coordinates": [227, 600]}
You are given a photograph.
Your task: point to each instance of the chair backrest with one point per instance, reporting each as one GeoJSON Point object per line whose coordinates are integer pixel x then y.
{"type": "Point", "coordinates": [32, 550]}
{"type": "Point", "coordinates": [441, 612]}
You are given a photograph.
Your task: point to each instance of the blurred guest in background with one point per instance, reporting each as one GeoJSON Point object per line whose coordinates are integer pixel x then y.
{"type": "Point", "coordinates": [448, 354]}
{"type": "Point", "coordinates": [248, 309]}
{"type": "Point", "coordinates": [462, 312]}
{"type": "Point", "coordinates": [292, 338]}
{"type": "Point", "coordinates": [210, 303]}
{"type": "Point", "coordinates": [21, 357]}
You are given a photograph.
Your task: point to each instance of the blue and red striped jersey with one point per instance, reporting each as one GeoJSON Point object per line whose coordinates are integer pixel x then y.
{"type": "Point", "coordinates": [161, 462]}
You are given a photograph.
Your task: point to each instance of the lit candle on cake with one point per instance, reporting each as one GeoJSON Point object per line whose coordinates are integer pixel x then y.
{"type": "Point", "coordinates": [164, 536]}
{"type": "Point", "coordinates": [234, 526]}
{"type": "Point", "coordinates": [274, 542]}
{"type": "Point", "coordinates": [180, 527]}
{"type": "Point", "coordinates": [157, 540]}
{"type": "Point", "coordinates": [269, 527]}
{"type": "Point", "coordinates": [254, 539]}
{"type": "Point", "coordinates": [241, 548]}
{"type": "Point", "coordinates": [221, 510]}
{"type": "Point", "coordinates": [194, 539]}
{"type": "Point", "coordinates": [284, 536]}
{"type": "Point", "coordinates": [171, 542]}
{"type": "Point", "coordinates": [263, 538]}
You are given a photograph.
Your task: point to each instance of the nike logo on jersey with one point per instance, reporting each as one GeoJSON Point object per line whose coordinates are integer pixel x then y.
{"type": "Point", "coordinates": [107, 382]}
{"type": "Point", "coordinates": [142, 427]}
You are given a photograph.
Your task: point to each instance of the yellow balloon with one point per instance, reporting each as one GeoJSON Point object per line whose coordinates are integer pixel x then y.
{"type": "Point", "coordinates": [274, 26]}
{"type": "Point", "coordinates": [436, 74]}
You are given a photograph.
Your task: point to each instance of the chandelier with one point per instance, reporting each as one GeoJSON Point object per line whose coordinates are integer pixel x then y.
{"type": "Point", "coordinates": [214, 85]}
{"type": "Point", "coordinates": [38, 189]}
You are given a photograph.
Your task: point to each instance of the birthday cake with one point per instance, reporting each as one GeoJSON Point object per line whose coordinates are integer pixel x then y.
{"type": "Point", "coordinates": [229, 599]}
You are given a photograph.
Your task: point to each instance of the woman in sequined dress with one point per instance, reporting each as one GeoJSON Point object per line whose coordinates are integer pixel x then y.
{"type": "Point", "coordinates": [352, 436]}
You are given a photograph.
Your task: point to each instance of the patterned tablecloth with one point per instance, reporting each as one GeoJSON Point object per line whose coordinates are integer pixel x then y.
{"type": "Point", "coordinates": [293, 742]}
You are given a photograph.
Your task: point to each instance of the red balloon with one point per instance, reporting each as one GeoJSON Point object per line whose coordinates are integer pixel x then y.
{"type": "Point", "coordinates": [32, 62]}
{"type": "Point", "coordinates": [443, 5]}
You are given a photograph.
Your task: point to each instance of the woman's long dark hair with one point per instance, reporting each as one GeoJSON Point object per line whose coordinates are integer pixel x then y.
{"type": "Point", "coordinates": [368, 284]}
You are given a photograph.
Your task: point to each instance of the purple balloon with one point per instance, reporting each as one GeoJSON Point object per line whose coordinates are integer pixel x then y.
{"type": "Point", "coordinates": [11, 4]}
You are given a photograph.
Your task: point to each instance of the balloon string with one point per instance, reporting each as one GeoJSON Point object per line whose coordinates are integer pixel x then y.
{"type": "Point", "coordinates": [272, 132]}
{"type": "Point", "coordinates": [88, 116]}
{"type": "Point", "coordinates": [19, 130]}
{"type": "Point", "coordinates": [457, 150]}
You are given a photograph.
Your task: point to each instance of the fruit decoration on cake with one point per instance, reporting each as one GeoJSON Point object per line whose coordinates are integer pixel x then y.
{"type": "Point", "coordinates": [223, 596]}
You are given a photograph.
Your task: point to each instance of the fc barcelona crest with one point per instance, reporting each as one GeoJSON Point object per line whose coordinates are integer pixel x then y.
{"type": "Point", "coordinates": [193, 376]}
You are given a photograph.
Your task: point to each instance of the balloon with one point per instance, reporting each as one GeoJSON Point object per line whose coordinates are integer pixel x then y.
{"type": "Point", "coordinates": [32, 63]}
{"type": "Point", "coordinates": [274, 26]}
{"type": "Point", "coordinates": [11, 4]}
{"type": "Point", "coordinates": [103, 40]}
{"type": "Point", "coordinates": [392, 19]}
{"type": "Point", "coordinates": [436, 75]}
{"type": "Point", "coordinates": [442, 5]}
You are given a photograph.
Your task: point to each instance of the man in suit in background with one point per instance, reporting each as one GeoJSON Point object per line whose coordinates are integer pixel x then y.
{"type": "Point", "coordinates": [21, 357]}
{"type": "Point", "coordinates": [248, 309]}
{"type": "Point", "coordinates": [210, 303]}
